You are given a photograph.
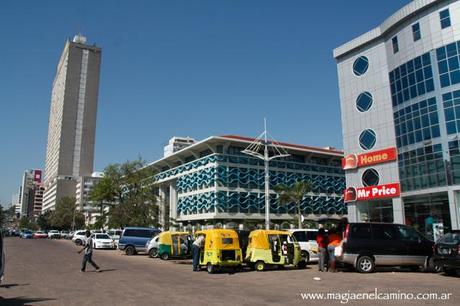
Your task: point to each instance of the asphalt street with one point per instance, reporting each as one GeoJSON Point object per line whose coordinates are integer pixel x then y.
{"type": "Point", "coordinates": [46, 272]}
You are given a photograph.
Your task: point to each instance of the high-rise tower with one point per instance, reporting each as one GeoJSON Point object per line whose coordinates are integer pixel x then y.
{"type": "Point", "coordinates": [72, 121]}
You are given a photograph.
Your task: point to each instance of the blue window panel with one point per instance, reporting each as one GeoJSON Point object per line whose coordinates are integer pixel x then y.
{"type": "Point", "coordinates": [417, 63]}
{"type": "Point", "coordinates": [426, 134]}
{"type": "Point", "coordinates": [403, 70]}
{"type": "Point", "coordinates": [416, 31]}
{"type": "Point", "coordinates": [398, 86]}
{"type": "Point", "coordinates": [442, 66]}
{"type": "Point", "coordinates": [444, 17]}
{"type": "Point", "coordinates": [413, 92]}
{"type": "Point", "coordinates": [410, 66]}
{"type": "Point", "coordinates": [457, 111]}
{"type": "Point", "coordinates": [411, 79]}
{"type": "Point", "coordinates": [445, 80]}
{"type": "Point", "coordinates": [418, 136]}
{"type": "Point", "coordinates": [392, 76]}
{"type": "Point", "coordinates": [428, 72]}
{"type": "Point", "coordinates": [449, 113]}
{"type": "Point", "coordinates": [451, 128]}
{"type": "Point", "coordinates": [394, 42]}
{"type": "Point", "coordinates": [429, 84]}
{"type": "Point", "coordinates": [421, 88]}
{"type": "Point", "coordinates": [455, 77]}
{"type": "Point", "coordinates": [417, 123]}
{"type": "Point", "coordinates": [451, 49]}
{"type": "Point", "coordinates": [441, 53]}
{"type": "Point", "coordinates": [434, 118]}
{"type": "Point", "coordinates": [425, 120]}
{"type": "Point", "coordinates": [367, 139]}
{"type": "Point", "coordinates": [447, 96]}
{"type": "Point", "coordinates": [456, 94]}
{"type": "Point", "coordinates": [400, 98]}
{"type": "Point", "coordinates": [404, 82]}
{"type": "Point", "coordinates": [453, 63]}
{"type": "Point", "coordinates": [426, 60]}
{"type": "Point", "coordinates": [406, 94]}
{"type": "Point", "coordinates": [411, 137]}
{"type": "Point", "coordinates": [360, 65]}
{"type": "Point", "coordinates": [458, 125]}
{"type": "Point", "coordinates": [419, 75]}
{"type": "Point", "coordinates": [435, 131]}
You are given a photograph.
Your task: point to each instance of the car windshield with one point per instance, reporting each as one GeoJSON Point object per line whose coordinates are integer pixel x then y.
{"type": "Point", "coordinates": [102, 236]}
{"type": "Point", "coordinates": [450, 238]}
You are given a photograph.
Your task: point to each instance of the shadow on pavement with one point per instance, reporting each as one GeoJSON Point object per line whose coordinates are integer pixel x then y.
{"type": "Point", "coordinates": [7, 286]}
{"type": "Point", "coordinates": [104, 270]}
{"type": "Point", "coordinates": [20, 301]}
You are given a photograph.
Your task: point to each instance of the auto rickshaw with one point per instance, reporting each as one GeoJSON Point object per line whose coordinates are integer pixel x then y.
{"type": "Point", "coordinates": [221, 249]}
{"type": "Point", "coordinates": [174, 244]}
{"type": "Point", "coordinates": [273, 248]}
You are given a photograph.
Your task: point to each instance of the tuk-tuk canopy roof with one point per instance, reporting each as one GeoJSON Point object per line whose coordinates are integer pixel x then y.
{"type": "Point", "coordinates": [166, 237]}
{"type": "Point", "coordinates": [219, 239]}
{"type": "Point", "coordinates": [258, 239]}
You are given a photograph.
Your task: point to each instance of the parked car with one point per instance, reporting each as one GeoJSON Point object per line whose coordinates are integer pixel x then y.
{"type": "Point", "coordinates": [152, 246]}
{"type": "Point", "coordinates": [102, 241]}
{"type": "Point", "coordinates": [447, 253]}
{"type": "Point", "coordinates": [54, 234]}
{"type": "Point", "coordinates": [307, 241]}
{"type": "Point", "coordinates": [115, 234]}
{"type": "Point", "coordinates": [65, 234]}
{"type": "Point", "coordinates": [79, 237]}
{"type": "Point", "coordinates": [133, 239]}
{"type": "Point", "coordinates": [367, 245]}
{"type": "Point", "coordinates": [26, 234]}
{"type": "Point", "coordinates": [39, 234]}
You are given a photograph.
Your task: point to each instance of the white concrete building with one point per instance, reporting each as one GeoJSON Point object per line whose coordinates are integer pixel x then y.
{"type": "Point", "coordinates": [399, 87]}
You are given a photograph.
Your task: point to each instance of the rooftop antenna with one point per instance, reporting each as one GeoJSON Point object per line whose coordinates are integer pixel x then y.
{"type": "Point", "coordinates": [266, 149]}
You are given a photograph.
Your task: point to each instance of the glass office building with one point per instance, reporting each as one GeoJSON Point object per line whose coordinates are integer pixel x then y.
{"type": "Point", "coordinates": [400, 88]}
{"type": "Point", "coordinates": [211, 182]}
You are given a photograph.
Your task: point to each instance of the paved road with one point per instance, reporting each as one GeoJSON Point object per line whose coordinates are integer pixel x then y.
{"type": "Point", "coordinates": [46, 272]}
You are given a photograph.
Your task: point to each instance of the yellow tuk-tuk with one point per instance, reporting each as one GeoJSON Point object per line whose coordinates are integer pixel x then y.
{"type": "Point", "coordinates": [273, 248]}
{"type": "Point", "coordinates": [174, 244]}
{"type": "Point", "coordinates": [221, 249]}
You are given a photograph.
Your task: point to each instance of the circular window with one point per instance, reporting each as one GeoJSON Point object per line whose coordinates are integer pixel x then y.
{"type": "Point", "coordinates": [360, 65]}
{"type": "Point", "coordinates": [367, 139]}
{"type": "Point", "coordinates": [370, 178]}
{"type": "Point", "coordinates": [364, 101]}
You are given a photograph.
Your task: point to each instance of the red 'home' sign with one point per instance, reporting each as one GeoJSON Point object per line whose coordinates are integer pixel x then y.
{"type": "Point", "coordinates": [353, 161]}
{"type": "Point", "coordinates": [352, 194]}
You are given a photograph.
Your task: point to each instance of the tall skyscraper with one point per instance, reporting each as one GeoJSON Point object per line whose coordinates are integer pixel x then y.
{"type": "Point", "coordinates": [72, 121]}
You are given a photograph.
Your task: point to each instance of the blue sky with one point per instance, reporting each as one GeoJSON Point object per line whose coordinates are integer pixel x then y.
{"type": "Point", "coordinates": [178, 68]}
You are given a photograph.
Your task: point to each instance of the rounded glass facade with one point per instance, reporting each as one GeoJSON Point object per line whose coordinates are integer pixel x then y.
{"type": "Point", "coordinates": [364, 101]}
{"type": "Point", "coordinates": [370, 177]}
{"type": "Point", "coordinates": [360, 65]}
{"type": "Point", "coordinates": [367, 139]}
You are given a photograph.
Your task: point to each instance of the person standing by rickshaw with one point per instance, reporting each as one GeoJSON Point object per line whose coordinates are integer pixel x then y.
{"type": "Point", "coordinates": [197, 245]}
{"type": "Point", "coordinates": [321, 240]}
{"type": "Point", "coordinates": [334, 238]}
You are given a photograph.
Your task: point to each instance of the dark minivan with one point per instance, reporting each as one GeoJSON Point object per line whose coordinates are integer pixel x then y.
{"type": "Point", "coordinates": [133, 239]}
{"type": "Point", "coordinates": [366, 245]}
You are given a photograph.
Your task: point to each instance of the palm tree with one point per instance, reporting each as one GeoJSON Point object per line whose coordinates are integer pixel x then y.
{"type": "Point", "coordinates": [294, 193]}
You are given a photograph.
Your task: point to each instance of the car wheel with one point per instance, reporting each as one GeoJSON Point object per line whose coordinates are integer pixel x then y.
{"type": "Point", "coordinates": [365, 264]}
{"type": "Point", "coordinates": [153, 252]}
{"type": "Point", "coordinates": [130, 251]}
{"type": "Point", "coordinates": [78, 242]}
{"type": "Point", "coordinates": [210, 268]}
{"type": "Point", "coordinates": [431, 266]}
{"type": "Point", "coordinates": [165, 256]}
{"type": "Point", "coordinates": [302, 264]}
{"type": "Point", "coordinates": [259, 266]}
{"type": "Point", "coordinates": [305, 255]}
{"type": "Point", "coordinates": [450, 272]}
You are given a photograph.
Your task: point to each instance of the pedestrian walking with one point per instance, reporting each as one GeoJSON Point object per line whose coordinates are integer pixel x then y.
{"type": "Point", "coordinates": [321, 240]}
{"type": "Point", "coordinates": [197, 245]}
{"type": "Point", "coordinates": [88, 257]}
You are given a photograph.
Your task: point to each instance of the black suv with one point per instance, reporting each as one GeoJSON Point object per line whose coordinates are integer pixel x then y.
{"type": "Point", "coordinates": [366, 245]}
{"type": "Point", "coordinates": [447, 252]}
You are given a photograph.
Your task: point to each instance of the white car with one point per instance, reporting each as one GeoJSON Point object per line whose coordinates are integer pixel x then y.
{"type": "Point", "coordinates": [79, 237]}
{"type": "Point", "coordinates": [152, 246]}
{"type": "Point", "coordinates": [54, 234]}
{"type": "Point", "coordinates": [102, 241]}
{"type": "Point", "coordinates": [307, 242]}
{"type": "Point", "coordinates": [115, 234]}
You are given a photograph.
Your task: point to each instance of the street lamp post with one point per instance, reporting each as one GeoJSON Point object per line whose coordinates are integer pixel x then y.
{"type": "Point", "coordinates": [254, 150]}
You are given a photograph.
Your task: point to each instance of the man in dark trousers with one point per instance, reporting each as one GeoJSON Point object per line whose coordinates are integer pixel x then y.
{"type": "Point", "coordinates": [88, 248]}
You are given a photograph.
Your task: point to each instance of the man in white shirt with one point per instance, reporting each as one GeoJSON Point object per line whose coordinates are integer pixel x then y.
{"type": "Point", "coordinates": [197, 245]}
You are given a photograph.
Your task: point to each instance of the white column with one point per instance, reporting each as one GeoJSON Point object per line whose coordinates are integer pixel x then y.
{"type": "Point", "coordinates": [398, 211]}
{"type": "Point", "coordinates": [352, 212]}
{"type": "Point", "coordinates": [172, 201]}
{"type": "Point", "coordinates": [162, 204]}
{"type": "Point", "coordinates": [454, 208]}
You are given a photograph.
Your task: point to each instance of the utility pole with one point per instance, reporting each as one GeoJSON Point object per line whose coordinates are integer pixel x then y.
{"type": "Point", "coordinates": [277, 152]}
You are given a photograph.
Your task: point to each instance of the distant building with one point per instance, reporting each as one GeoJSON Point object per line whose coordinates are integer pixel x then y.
{"type": "Point", "coordinates": [84, 187]}
{"type": "Point", "coordinates": [212, 182]}
{"type": "Point", "coordinates": [30, 193]}
{"type": "Point", "coordinates": [176, 144]}
{"type": "Point", "coordinates": [15, 203]}
{"type": "Point", "coordinates": [72, 120]}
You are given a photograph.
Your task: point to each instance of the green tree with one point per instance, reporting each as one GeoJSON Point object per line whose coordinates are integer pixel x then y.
{"type": "Point", "coordinates": [128, 190]}
{"type": "Point", "coordinates": [294, 194]}
{"type": "Point", "coordinates": [63, 215]}
{"type": "Point", "coordinates": [44, 220]}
